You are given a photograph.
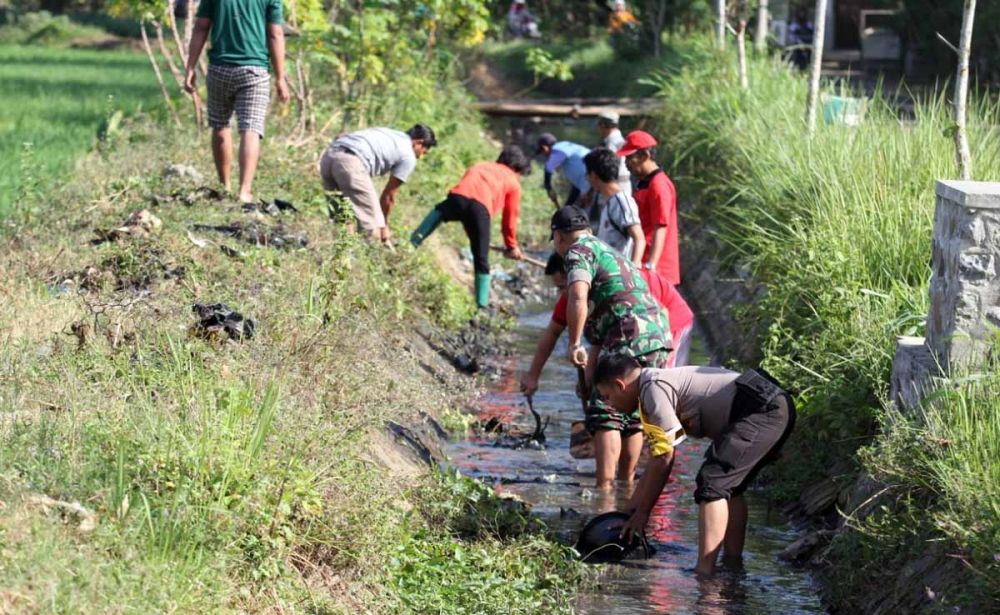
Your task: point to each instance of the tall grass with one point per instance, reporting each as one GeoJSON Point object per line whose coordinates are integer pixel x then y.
{"type": "Point", "coordinates": [838, 228]}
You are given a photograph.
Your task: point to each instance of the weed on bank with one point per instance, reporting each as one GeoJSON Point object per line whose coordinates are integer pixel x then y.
{"type": "Point", "coordinates": [145, 468]}
{"type": "Point", "coordinates": [837, 226]}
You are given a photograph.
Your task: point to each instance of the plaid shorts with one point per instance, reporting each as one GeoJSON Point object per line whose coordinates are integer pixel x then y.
{"type": "Point", "coordinates": [244, 89]}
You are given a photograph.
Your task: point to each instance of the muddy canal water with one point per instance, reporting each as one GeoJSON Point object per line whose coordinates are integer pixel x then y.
{"type": "Point", "coordinates": [559, 489]}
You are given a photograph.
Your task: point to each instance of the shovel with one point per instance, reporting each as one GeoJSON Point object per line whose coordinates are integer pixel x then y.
{"type": "Point", "coordinates": [526, 258]}
{"type": "Point", "coordinates": [539, 435]}
{"type": "Point", "coordinates": [581, 443]}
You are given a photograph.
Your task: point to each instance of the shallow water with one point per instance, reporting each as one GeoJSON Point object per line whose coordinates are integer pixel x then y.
{"type": "Point", "coordinates": [559, 489]}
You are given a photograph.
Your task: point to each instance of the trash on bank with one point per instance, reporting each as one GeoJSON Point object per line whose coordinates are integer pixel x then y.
{"type": "Point", "coordinates": [188, 197]}
{"type": "Point", "coordinates": [844, 110]}
{"type": "Point", "coordinates": [258, 234]}
{"type": "Point", "coordinates": [218, 321]}
{"type": "Point", "coordinates": [141, 223]}
{"type": "Point", "coordinates": [273, 208]}
{"type": "Point", "coordinates": [183, 171]}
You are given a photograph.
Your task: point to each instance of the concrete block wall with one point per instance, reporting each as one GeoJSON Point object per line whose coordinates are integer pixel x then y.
{"type": "Point", "coordinates": [964, 310]}
{"type": "Point", "coordinates": [965, 286]}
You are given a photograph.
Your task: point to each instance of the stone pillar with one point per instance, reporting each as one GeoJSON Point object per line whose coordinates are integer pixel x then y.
{"type": "Point", "coordinates": [965, 286]}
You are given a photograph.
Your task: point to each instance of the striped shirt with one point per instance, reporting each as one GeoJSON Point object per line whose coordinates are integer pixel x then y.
{"type": "Point", "coordinates": [617, 215]}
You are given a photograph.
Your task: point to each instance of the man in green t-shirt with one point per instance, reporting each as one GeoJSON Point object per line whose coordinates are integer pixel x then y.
{"type": "Point", "coordinates": [246, 37]}
{"type": "Point", "coordinates": [625, 319]}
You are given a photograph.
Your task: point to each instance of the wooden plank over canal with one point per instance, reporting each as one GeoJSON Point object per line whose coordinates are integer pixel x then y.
{"type": "Point", "coordinates": [570, 107]}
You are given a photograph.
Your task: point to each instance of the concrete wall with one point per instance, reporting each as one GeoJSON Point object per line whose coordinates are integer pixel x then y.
{"type": "Point", "coordinates": [964, 313]}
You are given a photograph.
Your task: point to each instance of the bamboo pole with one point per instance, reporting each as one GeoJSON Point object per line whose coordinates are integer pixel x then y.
{"type": "Point", "coordinates": [720, 24]}
{"type": "Point", "coordinates": [178, 74]}
{"type": "Point", "coordinates": [159, 75]}
{"type": "Point", "coordinates": [527, 259]}
{"type": "Point", "coordinates": [741, 53]}
{"type": "Point", "coordinates": [819, 35]}
{"type": "Point", "coordinates": [963, 154]}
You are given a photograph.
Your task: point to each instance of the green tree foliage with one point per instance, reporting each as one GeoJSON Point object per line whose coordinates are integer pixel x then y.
{"type": "Point", "coordinates": [922, 20]}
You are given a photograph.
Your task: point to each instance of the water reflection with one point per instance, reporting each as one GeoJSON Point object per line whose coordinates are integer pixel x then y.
{"type": "Point", "coordinates": [560, 490]}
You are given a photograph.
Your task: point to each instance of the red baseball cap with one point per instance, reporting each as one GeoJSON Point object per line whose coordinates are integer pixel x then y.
{"type": "Point", "coordinates": [635, 141]}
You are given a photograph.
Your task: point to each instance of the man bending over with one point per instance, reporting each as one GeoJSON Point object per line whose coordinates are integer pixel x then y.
{"type": "Point", "coordinates": [747, 416]}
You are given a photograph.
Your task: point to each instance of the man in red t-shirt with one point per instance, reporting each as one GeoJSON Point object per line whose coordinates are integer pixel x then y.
{"type": "Point", "coordinates": [486, 189]}
{"type": "Point", "coordinates": [657, 199]}
{"type": "Point", "coordinates": [680, 315]}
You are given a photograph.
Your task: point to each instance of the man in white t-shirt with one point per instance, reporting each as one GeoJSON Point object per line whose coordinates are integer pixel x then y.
{"type": "Point", "coordinates": [611, 138]}
{"type": "Point", "coordinates": [352, 160]}
{"type": "Point", "coordinates": [618, 215]}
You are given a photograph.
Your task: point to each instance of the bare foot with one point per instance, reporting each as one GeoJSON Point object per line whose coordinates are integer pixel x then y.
{"type": "Point", "coordinates": [606, 485]}
{"type": "Point", "coordinates": [246, 197]}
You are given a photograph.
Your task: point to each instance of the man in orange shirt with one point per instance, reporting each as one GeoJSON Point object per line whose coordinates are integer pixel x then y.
{"type": "Point", "coordinates": [657, 199]}
{"type": "Point", "coordinates": [486, 189]}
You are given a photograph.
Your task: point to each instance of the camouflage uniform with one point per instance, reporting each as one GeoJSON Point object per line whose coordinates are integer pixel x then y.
{"type": "Point", "coordinates": [625, 318]}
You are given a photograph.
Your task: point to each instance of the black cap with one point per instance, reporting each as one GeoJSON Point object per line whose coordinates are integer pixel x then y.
{"type": "Point", "coordinates": [546, 138]}
{"type": "Point", "coordinates": [569, 218]}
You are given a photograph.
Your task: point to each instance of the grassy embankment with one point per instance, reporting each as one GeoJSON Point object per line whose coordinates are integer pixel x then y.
{"type": "Point", "coordinates": [596, 71]}
{"type": "Point", "coordinates": [838, 227]}
{"type": "Point", "coordinates": [234, 476]}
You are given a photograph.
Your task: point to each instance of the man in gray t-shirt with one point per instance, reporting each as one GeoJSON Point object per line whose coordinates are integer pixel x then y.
{"type": "Point", "coordinates": [747, 416]}
{"type": "Point", "coordinates": [352, 160]}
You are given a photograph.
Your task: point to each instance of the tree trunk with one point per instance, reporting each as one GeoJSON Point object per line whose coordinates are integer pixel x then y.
{"type": "Point", "coordinates": [741, 52]}
{"type": "Point", "coordinates": [659, 19]}
{"type": "Point", "coordinates": [760, 36]}
{"type": "Point", "coordinates": [159, 75]}
{"type": "Point", "coordinates": [169, 57]}
{"type": "Point", "coordinates": [720, 24]}
{"type": "Point", "coordinates": [963, 155]}
{"type": "Point", "coordinates": [819, 21]}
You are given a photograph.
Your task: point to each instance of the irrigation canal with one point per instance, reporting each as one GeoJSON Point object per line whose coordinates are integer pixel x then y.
{"type": "Point", "coordinates": [559, 489]}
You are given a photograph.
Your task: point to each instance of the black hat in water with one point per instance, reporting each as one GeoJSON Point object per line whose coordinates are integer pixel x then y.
{"type": "Point", "coordinates": [600, 540]}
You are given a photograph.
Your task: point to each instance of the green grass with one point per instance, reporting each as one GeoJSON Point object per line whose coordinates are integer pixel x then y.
{"type": "Point", "coordinates": [256, 476]}
{"type": "Point", "coordinates": [838, 228]}
{"type": "Point", "coordinates": [597, 72]}
{"type": "Point", "coordinates": [55, 101]}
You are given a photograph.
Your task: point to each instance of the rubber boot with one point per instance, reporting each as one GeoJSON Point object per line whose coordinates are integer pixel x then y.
{"type": "Point", "coordinates": [483, 290]}
{"type": "Point", "coordinates": [431, 221]}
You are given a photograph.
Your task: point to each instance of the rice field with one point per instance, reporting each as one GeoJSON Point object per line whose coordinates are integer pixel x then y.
{"type": "Point", "coordinates": [55, 102]}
